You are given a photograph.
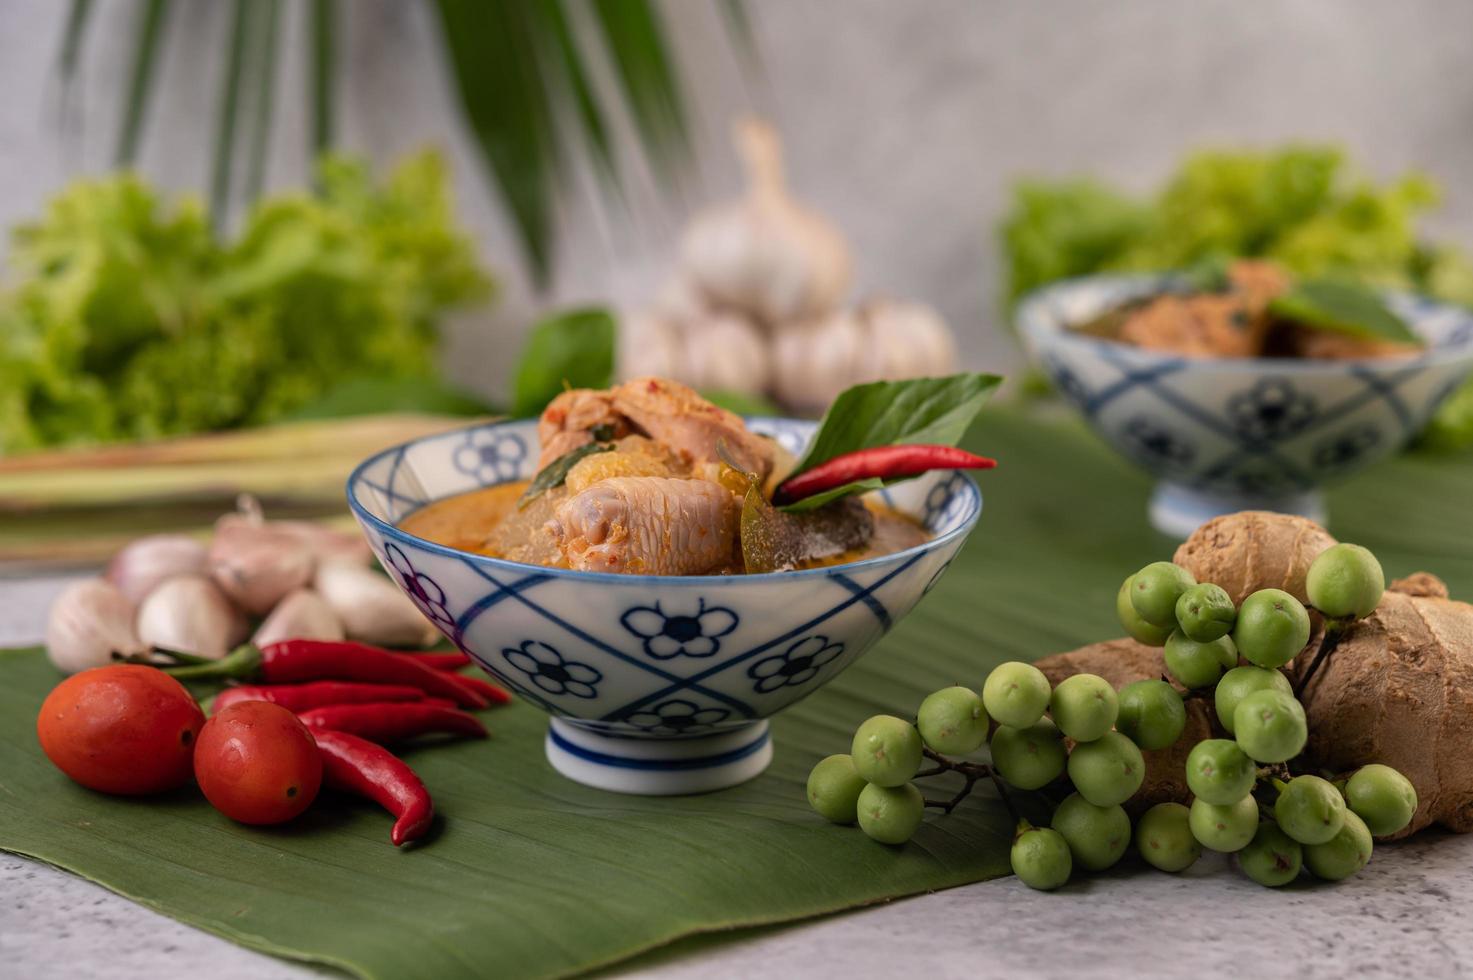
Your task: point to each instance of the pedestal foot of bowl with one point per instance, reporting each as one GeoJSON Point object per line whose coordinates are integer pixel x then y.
{"type": "Point", "coordinates": [1178, 510]}
{"type": "Point", "coordinates": [655, 766]}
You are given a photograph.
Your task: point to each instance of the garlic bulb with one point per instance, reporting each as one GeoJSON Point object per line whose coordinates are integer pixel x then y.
{"type": "Point", "coordinates": [715, 351]}
{"type": "Point", "coordinates": [144, 563]}
{"type": "Point", "coordinates": [302, 615]}
{"type": "Point", "coordinates": [765, 254]}
{"type": "Point", "coordinates": [880, 340]}
{"type": "Point", "coordinates": [814, 362]}
{"type": "Point", "coordinates": [905, 340]}
{"type": "Point", "coordinates": [370, 607]}
{"type": "Point", "coordinates": [256, 565]}
{"type": "Point", "coordinates": [190, 614]}
{"type": "Point", "coordinates": [679, 300]}
{"type": "Point", "coordinates": [650, 346]}
{"type": "Point", "coordinates": [724, 352]}
{"type": "Point", "coordinates": [89, 622]}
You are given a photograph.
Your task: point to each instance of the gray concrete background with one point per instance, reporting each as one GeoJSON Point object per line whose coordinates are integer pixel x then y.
{"type": "Point", "coordinates": [906, 122]}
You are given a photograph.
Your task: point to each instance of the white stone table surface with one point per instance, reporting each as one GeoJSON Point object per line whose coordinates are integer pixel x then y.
{"type": "Point", "coordinates": [1406, 915]}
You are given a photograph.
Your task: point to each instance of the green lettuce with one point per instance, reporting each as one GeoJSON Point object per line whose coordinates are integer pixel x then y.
{"type": "Point", "coordinates": [125, 317]}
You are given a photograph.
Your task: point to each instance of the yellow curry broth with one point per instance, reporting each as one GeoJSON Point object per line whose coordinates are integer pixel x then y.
{"type": "Point", "coordinates": [467, 522]}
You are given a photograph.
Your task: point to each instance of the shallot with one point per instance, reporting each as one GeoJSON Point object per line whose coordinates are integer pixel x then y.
{"type": "Point", "coordinates": [256, 565]}
{"type": "Point", "coordinates": [89, 622]}
{"type": "Point", "coordinates": [144, 563]}
{"type": "Point", "coordinates": [302, 614]}
{"type": "Point", "coordinates": [372, 608]}
{"type": "Point", "coordinates": [326, 543]}
{"type": "Point", "coordinates": [190, 614]}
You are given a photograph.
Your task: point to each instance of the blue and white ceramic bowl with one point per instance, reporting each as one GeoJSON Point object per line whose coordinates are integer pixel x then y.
{"type": "Point", "coordinates": [656, 685]}
{"type": "Point", "coordinates": [1230, 434]}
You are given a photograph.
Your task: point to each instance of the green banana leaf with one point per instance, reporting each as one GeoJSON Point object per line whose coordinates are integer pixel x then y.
{"type": "Point", "coordinates": [529, 875]}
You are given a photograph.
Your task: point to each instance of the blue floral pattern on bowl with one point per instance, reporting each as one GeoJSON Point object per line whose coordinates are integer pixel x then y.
{"type": "Point", "coordinates": [551, 672]}
{"type": "Point", "coordinates": [696, 633]}
{"type": "Point", "coordinates": [677, 717]}
{"type": "Point", "coordinates": [629, 663]}
{"type": "Point", "coordinates": [797, 665]}
{"type": "Point", "coordinates": [1231, 434]}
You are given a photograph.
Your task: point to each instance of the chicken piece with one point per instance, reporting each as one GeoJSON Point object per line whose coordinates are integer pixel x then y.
{"type": "Point", "coordinates": [566, 422]}
{"type": "Point", "coordinates": [645, 446]}
{"type": "Point", "coordinates": [604, 466]}
{"type": "Point", "coordinates": [1207, 325]}
{"type": "Point", "coordinates": [523, 534]}
{"type": "Point", "coordinates": [648, 525]}
{"type": "Point", "coordinates": [1234, 323]}
{"type": "Point", "coordinates": [674, 415]}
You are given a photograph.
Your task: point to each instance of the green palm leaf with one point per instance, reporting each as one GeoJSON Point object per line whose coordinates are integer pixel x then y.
{"type": "Point", "coordinates": [236, 42]}
{"type": "Point", "coordinates": [590, 114]}
{"type": "Point", "coordinates": [523, 83]}
{"type": "Point", "coordinates": [493, 53]}
{"type": "Point", "coordinates": [264, 70]}
{"type": "Point", "coordinates": [636, 43]}
{"type": "Point", "coordinates": [78, 16]}
{"type": "Point", "coordinates": [322, 29]}
{"type": "Point", "coordinates": [152, 15]}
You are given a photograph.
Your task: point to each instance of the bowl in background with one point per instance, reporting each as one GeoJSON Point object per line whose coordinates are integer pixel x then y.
{"type": "Point", "coordinates": [1229, 434]}
{"type": "Point", "coordinates": [655, 684]}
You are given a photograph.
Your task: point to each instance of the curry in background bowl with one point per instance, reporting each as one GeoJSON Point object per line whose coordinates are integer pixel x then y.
{"type": "Point", "coordinates": [1253, 308]}
{"type": "Point", "coordinates": [1251, 392]}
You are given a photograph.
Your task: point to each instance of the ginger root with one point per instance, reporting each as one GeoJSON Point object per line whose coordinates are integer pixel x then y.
{"type": "Point", "coordinates": [1252, 550]}
{"type": "Point", "coordinates": [1397, 689]}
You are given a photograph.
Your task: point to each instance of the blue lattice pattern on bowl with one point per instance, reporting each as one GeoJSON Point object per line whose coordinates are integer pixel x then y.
{"type": "Point", "coordinates": [1243, 431]}
{"type": "Point", "coordinates": [645, 657]}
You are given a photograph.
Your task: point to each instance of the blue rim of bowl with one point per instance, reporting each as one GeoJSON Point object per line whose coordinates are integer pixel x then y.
{"type": "Point", "coordinates": [1037, 321]}
{"type": "Point", "coordinates": [395, 532]}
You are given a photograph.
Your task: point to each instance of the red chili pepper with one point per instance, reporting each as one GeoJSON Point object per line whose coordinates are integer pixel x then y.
{"type": "Point", "coordinates": [353, 765]}
{"type": "Point", "coordinates": [304, 697]}
{"type": "Point", "coordinates": [441, 661]}
{"type": "Point", "coordinates": [296, 661]}
{"type": "Point", "coordinates": [491, 692]}
{"type": "Point", "coordinates": [883, 462]}
{"type": "Point", "coordinates": [392, 721]}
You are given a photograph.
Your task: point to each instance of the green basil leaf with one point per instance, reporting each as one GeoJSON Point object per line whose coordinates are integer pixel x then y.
{"type": "Point", "coordinates": [556, 472]}
{"type": "Point", "coordinates": [573, 349]}
{"type": "Point", "coordinates": [1344, 307]}
{"type": "Point", "coordinates": [858, 486]}
{"type": "Point", "coordinates": [892, 413]}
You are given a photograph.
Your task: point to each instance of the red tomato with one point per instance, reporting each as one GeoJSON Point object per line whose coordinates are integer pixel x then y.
{"type": "Point", "coordinates": [125, 729]}
{"type": "Point", "coordinates": [257, 763]}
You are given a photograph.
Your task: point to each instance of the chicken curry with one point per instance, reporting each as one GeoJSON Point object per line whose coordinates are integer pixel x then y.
{"type": "Point", "coordinates": [1256, 309]}
{"type": "Point", "coordinates": [650, 478]}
